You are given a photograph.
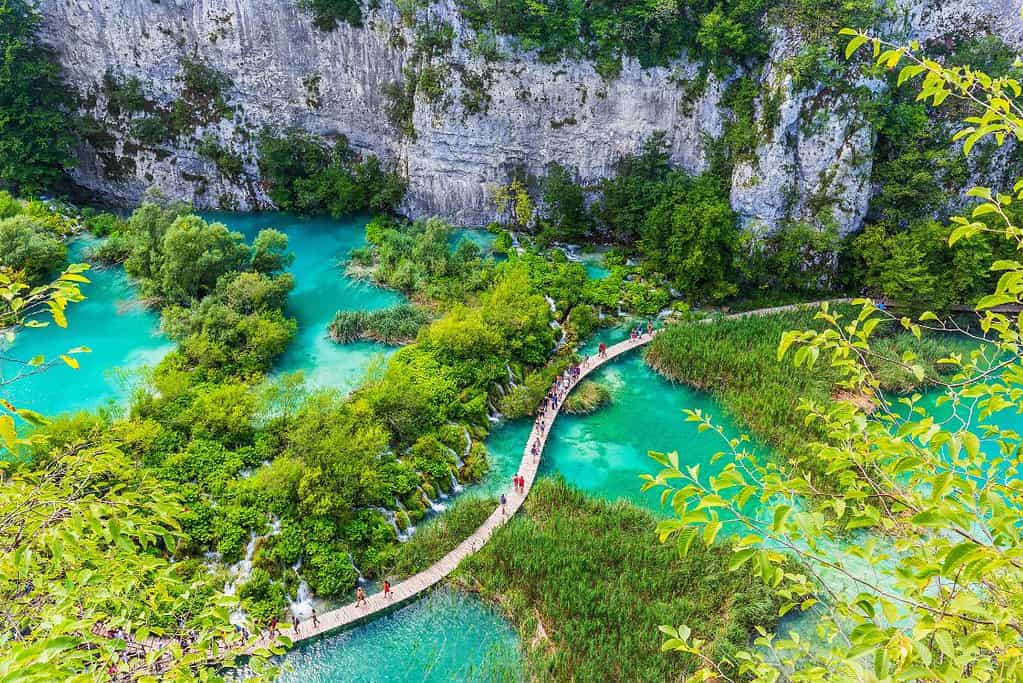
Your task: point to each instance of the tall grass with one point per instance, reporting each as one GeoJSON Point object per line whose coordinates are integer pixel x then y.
{"type": "Point", "coordinates": [439, 536]}
{"type": "Point", "coordinates": [395, 325]}
{"type": "Point", "coordinates": [587, 398]}
{"type": "Point", "coordinates": [594, 576]}
{"type": "Point", "coordinates": [736, 361]}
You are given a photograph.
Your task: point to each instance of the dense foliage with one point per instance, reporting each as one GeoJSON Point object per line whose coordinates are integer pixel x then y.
{"type": "Point", "coordinates": [308, 174]}
{"type": "Point", "coordinates": [396, 325]}
{"type": "Point", "coordinates": [88, 538]}
{"type": "Point", "coordinates": [328, 14]}
{"type": "Point", "coordinates": [930, 589]}
{"type": "Point", "coordinates": [35, 128]}
{"type": "Point", "coordinates": [27, 245]}
{"type": "Point", "coordinates": [582, 575]}
{"type": "Point", "coordinates": [718, 34]}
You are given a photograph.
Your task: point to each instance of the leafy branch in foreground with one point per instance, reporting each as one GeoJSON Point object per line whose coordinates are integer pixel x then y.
{"type": "Point", "coordinates": [913, 558]}
{"type": "Point", "coordinates": [86, 544]}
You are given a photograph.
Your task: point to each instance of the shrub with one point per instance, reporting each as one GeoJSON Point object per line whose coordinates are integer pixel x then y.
{"type": "Point", "coordinates": [26, 245]}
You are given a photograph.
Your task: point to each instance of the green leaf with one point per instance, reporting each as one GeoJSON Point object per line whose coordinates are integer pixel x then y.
{"type": "Point", "coordinates": [8, 433]}
{"type": "Point", "coordinates": [854, 44]}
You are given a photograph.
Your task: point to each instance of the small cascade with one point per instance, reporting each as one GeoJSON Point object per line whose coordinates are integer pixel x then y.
{"type": "Point", "coordinates": [359, 578]}
{"type": "Point", "coordinates": [302, 605]}
{"type": "Point", "coordinates": [500, 389]}
{"type": "Point", "coordinates": [454, 454]}
{"type": "Point", "coordinates": [436, 507]}
{"type": "Point", "coordinates": [511, 375]}
{"type": "Point", "coordinates": [392, 519]}
{"type": "Point", "coordinates": [241, 570]}
{"type": "Point", "coordinates": [468, 442]}
{"type": "Point", "coordinates": [493, 414]}
{"type": "Point", "coordinates": [550, 302]}
{"type": "Point", "coordinates": [456, 488]}
{"type": "Point", "coordinates": [561, 342]}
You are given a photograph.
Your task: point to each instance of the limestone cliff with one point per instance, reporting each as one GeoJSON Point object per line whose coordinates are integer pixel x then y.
{"type": "Point", "coordinates": [285, 72]}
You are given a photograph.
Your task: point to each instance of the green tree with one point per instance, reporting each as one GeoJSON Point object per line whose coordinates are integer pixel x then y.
{"type": "Point", "coordinates": [195, 254]}
{"type": "Point", "coordinates": [270, 252]}
{"type": "Point", "coordinates": [690, 236]}
{"type": "Point", "coordinates": [564, 203]}
{"type": "Point", "coordinates": [26, 245]}
{"type": "Point", "coordinates": [928, 495]}
{"type": "Point", "coordinates": [35, 128]}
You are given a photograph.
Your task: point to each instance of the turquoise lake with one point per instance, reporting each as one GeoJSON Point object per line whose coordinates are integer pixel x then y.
{"type": "Point", "coordinates": [446, 635]}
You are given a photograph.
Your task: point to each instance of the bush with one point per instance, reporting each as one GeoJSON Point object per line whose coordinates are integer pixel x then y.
{"type": "Point", "coordinates": [396, 325]}
{"type": "Point", "coordinates": [306, 174]}
{"type": "Point", "coordinates": [329, 14]}
{"type": "Point", "coordinates": [26, 245]}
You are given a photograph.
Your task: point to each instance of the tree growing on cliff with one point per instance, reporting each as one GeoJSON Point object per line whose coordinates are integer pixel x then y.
{"type": "Point", "coordinates": [35, 128]}
{"type": "Point", "coordinates": [930, 587]}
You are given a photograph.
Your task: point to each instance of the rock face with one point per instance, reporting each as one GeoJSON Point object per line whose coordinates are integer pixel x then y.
{"type": "Point", "coordinates": [287, 73]}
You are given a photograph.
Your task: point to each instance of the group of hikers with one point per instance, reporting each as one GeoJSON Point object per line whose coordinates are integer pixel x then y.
{"type": "Point", "coordinates": [360, 601]}
{"type": "Point", "coordinates": [562, 384]}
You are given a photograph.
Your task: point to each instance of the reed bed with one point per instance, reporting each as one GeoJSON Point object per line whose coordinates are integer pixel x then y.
{"type": "Point", "coordinates": [439, 536]}
{"type": "Point", "coordinates": [586, 398]}
{"type": "Point", "coordinates": [395, 325]}
{"type": "Point", "coordinates": [586, 584]}
{"type": "Point", "coordinates": [736, 361]}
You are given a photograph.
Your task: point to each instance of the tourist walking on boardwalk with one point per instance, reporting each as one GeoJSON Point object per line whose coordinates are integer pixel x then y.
{"type": "Point", "coordinates": [298, 622]}
{"type": "Point", "coordinates": [387, 589]}
{"type": "Point", "coordinates": [515, 483]}
{"type": "Point", "coordinates": [602, 349]}
{"type": "Point", "coordinates": [316, 622]}
{"type": "Point", "coordinates": [360, 597]}
{"type": "Point", "coordinates": [649, 327]}
{"type": "Point", "coordinates": [273, 627]}
{"type": "Point", "coordinates": [504, 500]}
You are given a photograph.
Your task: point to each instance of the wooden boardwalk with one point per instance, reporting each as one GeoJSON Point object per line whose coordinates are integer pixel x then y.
{"type": "Point", "coordinates": [424, 580]}
{"type": "Point", "coordinates": [528, 467]}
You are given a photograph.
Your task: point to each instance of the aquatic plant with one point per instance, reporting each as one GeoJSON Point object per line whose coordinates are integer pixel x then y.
{"type": "Point", "coordinates": [586, 398]}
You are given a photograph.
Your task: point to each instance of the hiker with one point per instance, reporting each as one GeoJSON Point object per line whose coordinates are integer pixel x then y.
{"type": "Point", "coordinates": [503, 501]}
{"type": "Point", "coordinates": [515, 483]}
{"type": "Point", "coordinates": [297, 622]}
{"type": "Point", "coordinates": [360, 596]}
{"type": "Point", "coordinates": [273, 627]}
{"type": "Point", "coordinates": [603, 350]}
{"type": "Point", "coordinates": [316, 622]}
{"type": "Point", "coordinates": [387, 589]}
{"type": "Point", "coordinates": [650, 327]}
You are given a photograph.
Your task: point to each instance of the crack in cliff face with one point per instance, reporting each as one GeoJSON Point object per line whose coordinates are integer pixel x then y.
{"type": "Point", "coordinates": [536, 114]}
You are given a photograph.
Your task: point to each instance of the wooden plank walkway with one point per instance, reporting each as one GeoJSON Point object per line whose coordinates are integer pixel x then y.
{"type": "Point", "coordinates": [528, 467]}
{"type": "Point", "coordinates": [424, 580]}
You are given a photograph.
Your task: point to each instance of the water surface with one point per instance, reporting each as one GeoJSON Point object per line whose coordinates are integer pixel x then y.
{"type": "Point", "coordinates": [444, 636]}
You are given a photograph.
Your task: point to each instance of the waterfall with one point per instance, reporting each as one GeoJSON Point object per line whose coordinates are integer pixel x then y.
{"type": "Point", "coordinates": [302, 605]}
{"type": "Point", "coordinates": [511, 375]}
{"type": "Point", "coordinates": [454, 454]}
{"type": "Point", "coordinates": [392, 519]}
{"type": "Point", "coordinates": [455, 486]}
{"type": "Point", "coordinates": [468, 442]}
{"type": "Point", "coordinates": [500, 389]}
{"type": "Point", "coordinates": [493, 414]}
{"type": "Point", "coordinates": [436, 507]}
{"type": "Point", "coordinates": [359, 578]}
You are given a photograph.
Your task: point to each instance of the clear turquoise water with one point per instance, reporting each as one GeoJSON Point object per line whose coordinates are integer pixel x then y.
{"type": "Point", "coordinates": [320, 245]}
{"type": "Point", "coordinates": [445, 636]}
{"type": "Point", "coordinates": [122, 334]}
